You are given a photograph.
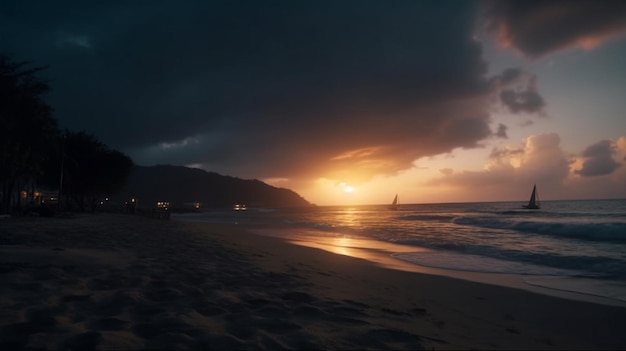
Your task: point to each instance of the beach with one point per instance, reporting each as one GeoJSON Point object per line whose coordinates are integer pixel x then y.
{"type": "Point", "coordinates": [115, 281]}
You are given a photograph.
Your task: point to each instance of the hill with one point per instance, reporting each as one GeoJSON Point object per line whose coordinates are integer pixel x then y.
{"type": "Point", "coordinates": [183, 186]}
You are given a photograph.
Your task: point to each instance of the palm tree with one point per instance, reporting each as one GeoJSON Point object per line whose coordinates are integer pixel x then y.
{"type": "Point", "coordinates": [28, 129]}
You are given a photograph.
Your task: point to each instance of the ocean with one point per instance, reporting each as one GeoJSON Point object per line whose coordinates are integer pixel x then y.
{"type": "Point", "coordinates": [577, 246]}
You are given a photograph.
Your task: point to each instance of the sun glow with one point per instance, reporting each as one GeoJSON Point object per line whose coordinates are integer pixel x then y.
{"type": "Point", "coordinates": [346, 188]}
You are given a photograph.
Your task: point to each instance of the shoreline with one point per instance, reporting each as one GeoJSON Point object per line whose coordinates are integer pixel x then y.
{"type": "Point", "coordinates": [380, 253]}
{"type": "Point", "coordinates": [110, 281]}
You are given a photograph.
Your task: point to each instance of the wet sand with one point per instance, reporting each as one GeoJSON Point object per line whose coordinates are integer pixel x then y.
{"type": "Point", "coordinates": [382, 254]}
{"type": "Point", "coordinates": [112, 281]}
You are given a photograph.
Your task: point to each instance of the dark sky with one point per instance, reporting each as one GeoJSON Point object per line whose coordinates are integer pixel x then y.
{"type": "Point", "coordinates": [289, 89]}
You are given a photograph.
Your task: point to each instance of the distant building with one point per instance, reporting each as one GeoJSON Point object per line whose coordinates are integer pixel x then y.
{"type": "Point", "coordinates": [163, 205]}
{"type": "Point", "coordinates": [239, 207]}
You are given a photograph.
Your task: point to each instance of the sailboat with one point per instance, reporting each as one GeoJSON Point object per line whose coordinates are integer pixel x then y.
{"type": "Point", "coordinates": [533, 203]}
{"type": "Point", "coordinates": [394, 203]}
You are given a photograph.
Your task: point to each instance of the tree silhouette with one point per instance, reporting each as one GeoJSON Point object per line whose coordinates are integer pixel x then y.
{"type": "Point", "coordinates": [27, 129]}
{"type": "Point", "coordinates": [90, 169]}
{"type": "Point", "coordinates": [34, 152]}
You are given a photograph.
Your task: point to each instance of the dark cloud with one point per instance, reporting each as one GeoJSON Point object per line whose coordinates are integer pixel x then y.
{"type": "Point", "coordinates": [518, 92]}
{"type": "Point", "coordinates": [538, 27]}
{"type": "Point", "coordinates": [501, 132]}
{"type": "Point", "coordinates": [498, 153]}
{"type": "Point", "coordinates": [265, 88]}
{"type": "Point", "coordinates": [598, 159]}
{"type": "Point", "coordinates": [522, 101]}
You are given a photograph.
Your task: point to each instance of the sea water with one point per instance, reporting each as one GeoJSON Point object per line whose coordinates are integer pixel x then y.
{"type": "Point", "coordinates": [578, 246]}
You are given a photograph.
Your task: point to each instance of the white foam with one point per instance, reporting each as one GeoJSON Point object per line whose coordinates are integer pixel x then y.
{"type": "Point", "coordinates": [475, 263]}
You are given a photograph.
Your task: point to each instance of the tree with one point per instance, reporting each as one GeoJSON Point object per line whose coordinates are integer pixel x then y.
{"type": "Point", "coordinates": [27, 129]}
{"type": "Point", "coordinates": [90, 169]}
{"type": "Point", "coordinates": [34, 151]}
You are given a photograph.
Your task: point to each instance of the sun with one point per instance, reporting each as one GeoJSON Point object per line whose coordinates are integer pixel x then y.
{"type": "Point", "coordinates": [346, 188]}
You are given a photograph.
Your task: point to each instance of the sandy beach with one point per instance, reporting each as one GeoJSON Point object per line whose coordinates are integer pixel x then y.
{"type": "Point", "coordinates": [114, 281]}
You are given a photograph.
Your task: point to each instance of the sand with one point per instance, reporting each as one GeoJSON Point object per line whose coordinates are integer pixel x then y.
{"type": "Point", "coordinates": [114, 281]}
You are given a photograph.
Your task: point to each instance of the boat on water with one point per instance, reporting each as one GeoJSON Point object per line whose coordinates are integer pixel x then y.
{"type": "Point", "coordinates": [394, 203]}
{"type": "Point", "coordinates": [533, 203]}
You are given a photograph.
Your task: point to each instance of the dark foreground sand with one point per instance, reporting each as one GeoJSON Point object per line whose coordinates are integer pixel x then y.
{"type": "Point", "coordinates": [111, 281]}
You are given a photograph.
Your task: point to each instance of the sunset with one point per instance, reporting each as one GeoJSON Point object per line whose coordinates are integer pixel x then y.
{"type": "Point", "coordinates": [313, 174]}
{"type": "Point", "coordinates": [429, 99]}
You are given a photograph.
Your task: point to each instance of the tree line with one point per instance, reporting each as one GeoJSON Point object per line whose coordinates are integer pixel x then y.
{"type": "Point", "coordinates": [37, 156]}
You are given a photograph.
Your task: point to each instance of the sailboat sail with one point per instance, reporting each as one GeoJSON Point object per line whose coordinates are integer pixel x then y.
{"type": "Point", "coordinates": [533, 203]}
{"type": "Point", "coordinates": [394, 203]}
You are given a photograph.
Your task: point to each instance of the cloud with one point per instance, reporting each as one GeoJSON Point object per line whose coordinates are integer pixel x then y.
{"type": "Point", "coordinates": [512, 171]}
{"type": "Point", "coordinates": [621, 148]}
{"type": "Point", "coordinates": [598, 159]}
{"type": "Point", "coordinates": [518, 92]}
{"type": "Point", "coordinates": [268, 89]}
{"type": "Point", "coordinates": [544, 160]}
{"type": "Point", "coordinates": [67, 40]}
{"type": "Point", "coordinates": [280, 89]}
{"type": "Point", "coordinates": [538, 28]}
{"type": "Point", "coordinates": [501, 132]}
{"type": "Point", "coordinates": [506, 153]}
{"type": "Point", "coordinates": [446, 171]}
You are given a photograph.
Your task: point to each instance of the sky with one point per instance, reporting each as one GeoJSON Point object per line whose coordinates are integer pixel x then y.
{"type": "Point", "coordinates": [346, 102]}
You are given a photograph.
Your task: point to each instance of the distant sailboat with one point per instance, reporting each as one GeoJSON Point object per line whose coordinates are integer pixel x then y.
{"type": "Point", "coordinates": [533, 203]}
{"type": "Point", "coordinates": [394, 203]}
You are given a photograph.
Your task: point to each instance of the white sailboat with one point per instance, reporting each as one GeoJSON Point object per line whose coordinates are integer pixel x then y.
{"type": "Point", "coordinates": [394, 203]}
{"type": "Point", "coordinates": [533, 203]}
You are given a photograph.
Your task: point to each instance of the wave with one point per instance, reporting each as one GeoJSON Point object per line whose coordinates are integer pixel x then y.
{"type": "Point", "coordinates": [427, 217]}
{"type": "Point", "coordinates": [614, 231]}
{"type": "Point", "coordinates": [476, 263]}
{"type": "Point", "coordinates": [518, 262]}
